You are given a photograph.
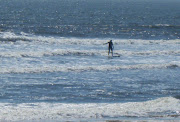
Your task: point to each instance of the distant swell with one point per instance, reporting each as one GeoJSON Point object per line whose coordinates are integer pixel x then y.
{"type": "Point", "coordinates": [80, 68]}
{"type": "Point", "coordinates": [162, 26]}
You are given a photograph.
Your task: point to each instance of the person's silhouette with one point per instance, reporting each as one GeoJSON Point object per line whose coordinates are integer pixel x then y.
{"type": "Point", "coordinates": [111, 47]}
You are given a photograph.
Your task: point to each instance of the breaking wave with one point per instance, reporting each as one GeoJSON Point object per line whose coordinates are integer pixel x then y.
{"type": "Point", "coordinates": [161, 108]}
{"type": "Point", "coordinates": [80, 68]}
{"type": "Point", "coordinates": [12, 37]}
{"type": "Point", "coordinates": [64, 52]}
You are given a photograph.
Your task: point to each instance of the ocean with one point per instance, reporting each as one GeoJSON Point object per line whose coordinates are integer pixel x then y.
{"type": "Point", "coordinates": [54, 63]}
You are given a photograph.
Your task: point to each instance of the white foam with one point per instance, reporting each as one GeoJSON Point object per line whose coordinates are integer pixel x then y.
{"type": "Point", "coordinates": [80, 68]}
{"type": "Point", "coordinates": [62, 52]}
{"type": "Point", "coordinates": [147, 53]}
{"type": "Point", "coordinates": [77, 41]}
{"type": "Point", "coordinates": [52, 53]}
{"type": "Point", "coordinates": [162, 107]}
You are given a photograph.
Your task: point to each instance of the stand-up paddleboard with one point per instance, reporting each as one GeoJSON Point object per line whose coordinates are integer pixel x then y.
{"type": "Point", "coordinates": [116, 55]}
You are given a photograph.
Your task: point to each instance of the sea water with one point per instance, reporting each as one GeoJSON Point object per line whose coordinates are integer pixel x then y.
{"type": "Point", "coordinates": [54, 63]}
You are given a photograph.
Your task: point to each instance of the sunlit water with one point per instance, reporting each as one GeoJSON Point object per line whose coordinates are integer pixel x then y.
{"type": "Point", "coordinates": [55, 65]}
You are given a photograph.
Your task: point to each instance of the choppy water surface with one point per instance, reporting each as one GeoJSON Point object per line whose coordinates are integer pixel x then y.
{"type": "Point", "coordinates": [54, 64]}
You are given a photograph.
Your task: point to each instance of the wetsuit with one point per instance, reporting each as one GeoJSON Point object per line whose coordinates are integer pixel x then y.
{"type": "Point", "coordinates": [110, 47]}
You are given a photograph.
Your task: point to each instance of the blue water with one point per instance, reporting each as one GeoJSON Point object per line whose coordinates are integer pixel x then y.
{"type": "Point", "coordinates": [54, 63]}
{"type": "Point", "coordinates": [130, 19]}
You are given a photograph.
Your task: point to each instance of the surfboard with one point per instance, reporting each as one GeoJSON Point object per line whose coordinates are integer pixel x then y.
{"type": "Point", "coordinates": [116, 55]}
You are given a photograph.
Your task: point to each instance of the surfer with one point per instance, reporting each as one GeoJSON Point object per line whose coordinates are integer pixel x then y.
{"type": "Point", "coordinates": [111, 47]}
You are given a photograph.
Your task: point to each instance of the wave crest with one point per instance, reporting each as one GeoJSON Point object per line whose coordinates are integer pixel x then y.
{"type": "Point", "coordinates": [64, 52]}
{"type": "Point", "coordinates": [162, 108]}
{"type": "Point", "coordinates": [12, 37]}
{"type": "Point", "coordinates": [80, 68]}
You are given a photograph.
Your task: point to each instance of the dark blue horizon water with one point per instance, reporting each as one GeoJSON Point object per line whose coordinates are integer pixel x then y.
{"type": "Point", "coordinates": [140, 19]}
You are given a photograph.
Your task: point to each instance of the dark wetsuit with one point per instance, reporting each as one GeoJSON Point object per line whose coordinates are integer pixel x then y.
{"type": "Point", "coordinates": [111, 47]}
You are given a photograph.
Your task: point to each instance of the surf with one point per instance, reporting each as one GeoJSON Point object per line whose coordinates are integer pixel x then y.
{"type": "Point", "coordinates": [81, 68]}
{"type": "Point", "coordinates": [161, 109]}
{"type": "Point", "coordinates": [28, 37]}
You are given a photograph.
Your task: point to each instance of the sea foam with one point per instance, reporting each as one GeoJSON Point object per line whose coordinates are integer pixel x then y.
{"type": "Point", "coordinates": [12, 37]}
{"type": "Point", "coordinates": [74, 52]}
{"type": "Point", "coordinates": [161, 108]}
{"type": "Point", "coordinates": [80, 68]}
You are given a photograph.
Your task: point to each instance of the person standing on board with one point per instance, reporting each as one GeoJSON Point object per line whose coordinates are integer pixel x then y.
{"type": "Point", "coordinates": [111, 47]}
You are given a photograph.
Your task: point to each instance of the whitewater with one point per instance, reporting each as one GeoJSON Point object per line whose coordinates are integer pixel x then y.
{"type": "Point", "coordinates": [54, 62]}
{"type": "Point", "coordinates": [51, 78]}
{"type": "Point", "coordinates": [91, 111]}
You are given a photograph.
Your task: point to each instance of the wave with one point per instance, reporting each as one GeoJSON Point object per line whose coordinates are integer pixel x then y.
{"type": "Point", "coordinates": [70, 52]}
{"type": "Point", "coordinates": [161, 26]}
{"type": "Point", "coordinates": [147, 53]}
{"type": "Point", "coordinates": [161, 108]}
{"type": "Point", "coordinates": [61, 52]}
{"type": "Point", "coordinates": [25, 37]}
{"type": "Point", "coordinates": [80, 68]}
